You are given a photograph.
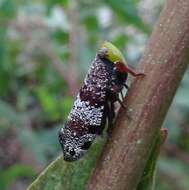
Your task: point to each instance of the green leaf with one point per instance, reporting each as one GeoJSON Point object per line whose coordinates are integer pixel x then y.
{"type": "Point", "coordinates": [61, 175]}
{"type": "Point", "coordinates": [48, 102]}
{"type": "Point", "coordinates": [148, 178]}
{"type": "Point", "coordinates": [127, 11]}
{"type": "Point", "coordinates": [7, 8]}
{"type": "Point", "coordinates": [60, 36]}
{"type": "Point", "coordinates": [8, 176]}
{"type": "Point", "coordinates": [51, 3]}
{"type": "Point", "coordinates": [67, 103]}
{"type": "Point", "coordinates": [120, 40]}
{"type": "Point", "coordinates": [43, 144]}
{"type": "Point", "coordinates": [8, 116]}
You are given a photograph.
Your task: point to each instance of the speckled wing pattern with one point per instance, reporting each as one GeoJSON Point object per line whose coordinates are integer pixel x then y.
{"type": "Point", "coordinates": [88, 107]}
{"type": "Point", "coordinates": [94, 103]}
{"type": "Point", "coordinates": [92, 107]}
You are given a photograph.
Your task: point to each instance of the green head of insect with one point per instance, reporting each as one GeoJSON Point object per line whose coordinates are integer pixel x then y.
{"type": "Point", "coordinates": [111, 52]}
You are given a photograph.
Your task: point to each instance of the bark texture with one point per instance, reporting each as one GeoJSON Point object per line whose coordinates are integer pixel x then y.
{"type": "Point", "coordinates": [164, 62]}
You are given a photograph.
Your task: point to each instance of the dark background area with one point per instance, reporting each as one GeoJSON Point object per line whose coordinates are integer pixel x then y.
{"type": "Point", "coordinates": [46, 48]}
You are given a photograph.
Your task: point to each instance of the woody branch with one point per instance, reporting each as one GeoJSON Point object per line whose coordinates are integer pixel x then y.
{"type": "Point", "coordinates": [164, 62]}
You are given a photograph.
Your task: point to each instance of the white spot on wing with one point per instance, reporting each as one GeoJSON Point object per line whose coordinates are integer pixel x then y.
{"type": "Point", "coordinates": [88, 114]}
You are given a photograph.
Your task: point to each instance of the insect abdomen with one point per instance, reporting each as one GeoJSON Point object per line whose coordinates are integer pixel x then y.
{"type": "Point", "coordinates": [89, 104]}
{"type": "Point", "coordinates": [94, 102]}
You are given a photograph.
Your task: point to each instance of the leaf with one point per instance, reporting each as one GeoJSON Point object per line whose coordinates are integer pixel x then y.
{"type": "Point", "coordinates": [66, 104]}
{"type": "Point", "coordinates": [48, 102]}
{"type": "Point", "coordinates": [61, 175]}
{"type": "Point", "coordinates": [8, 116]}
{"type": "Point", "coordinates": [127, 11]}
{"type": "Point", "coordinates": [11, 174]}
{"type": "Point", "coordinates": [120, 40]}
{"type": "Point", "coordinates": [43, 144]}
{"type": "Point", "coordinates": [7, 8]}
{"type": "Point", "coordinates": [148, 178]}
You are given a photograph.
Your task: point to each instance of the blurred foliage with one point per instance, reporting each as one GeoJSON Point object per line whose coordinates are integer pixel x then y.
{"type": "Point", "coordinates": [42, 44]}
{"type": "Point", "coordinates": [11, 174]}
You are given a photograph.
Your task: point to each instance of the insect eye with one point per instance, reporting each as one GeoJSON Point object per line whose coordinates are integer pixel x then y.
{"type": "Point", "coordinates": [72, 152]}
{"type": "Point", "coordinates": [86, 145]}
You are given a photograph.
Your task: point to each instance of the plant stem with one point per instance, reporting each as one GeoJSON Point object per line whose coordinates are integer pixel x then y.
{"type": "Point", "coordinates": [164, 62]}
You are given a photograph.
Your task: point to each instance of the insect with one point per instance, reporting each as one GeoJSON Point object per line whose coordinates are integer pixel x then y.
{"type": "Point", "coordinates": [94, 104]}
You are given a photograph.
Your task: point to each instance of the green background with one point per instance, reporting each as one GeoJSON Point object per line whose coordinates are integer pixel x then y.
{"type": "Point", "coordinates": [46, 48]}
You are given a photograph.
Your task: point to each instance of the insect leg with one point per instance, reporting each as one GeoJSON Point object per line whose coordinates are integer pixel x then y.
{"type": "Point", "coordinates": [128, 69]}
{"type": "Point", "coordinates": [115, 97]}
{"type": "Point", "coordinates": [134, 73]}
{"type": "Point", "coordinates": [121, 103]}
{"type": "Point", "coordinates": [122, 96]}
{"type": "Point", "coordinates": [111, 116]}
{"type": "Point", "coordinates": [126, 86]}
